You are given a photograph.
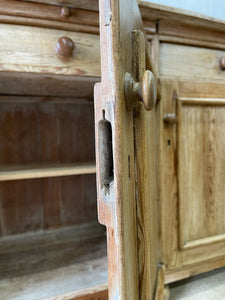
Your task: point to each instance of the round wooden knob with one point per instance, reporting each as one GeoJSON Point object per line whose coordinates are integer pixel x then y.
{"type": "Point", "coordinates": [144, 91]}
{"type": "Point", "coordinates": [64, 48]}
{"type": "Point", "coordinates": [65, 12]}
{"type": "Point", "coordinates": [149, 92]}
{"type": "Point", "coordinates": [222, 63]}
{"type": "Point", "coordinates": [170, 119]}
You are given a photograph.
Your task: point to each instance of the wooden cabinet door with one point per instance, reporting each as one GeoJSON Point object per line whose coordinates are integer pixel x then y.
{"type": "Point", "coordinates": [125, 153]}
{"type": "Point", "coordinates": [192, 178]}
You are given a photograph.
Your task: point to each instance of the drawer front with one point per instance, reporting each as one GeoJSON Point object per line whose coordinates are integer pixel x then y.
{"type": "Point", "coordinates": [33, 50]}
{"type": "Point", "coordinates": [185, 62]}
{"type": "Point", "coordinates": [53, 16]}
{"type": "Point", "coordinates": [85, 4]}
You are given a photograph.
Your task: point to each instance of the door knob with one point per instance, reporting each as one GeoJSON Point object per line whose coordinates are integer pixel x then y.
{"type": "Point", "coordinates": [144, 91]}
{"type": "Point", "coordinates": [170, 119]}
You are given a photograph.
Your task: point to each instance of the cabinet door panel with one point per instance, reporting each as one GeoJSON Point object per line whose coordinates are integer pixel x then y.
{"type": "Point", "coordinates": [192, 190]}
{"type": "Point", "coordinates": [201, 170]}
{"type": "Point", "coordinates": [125, 140]}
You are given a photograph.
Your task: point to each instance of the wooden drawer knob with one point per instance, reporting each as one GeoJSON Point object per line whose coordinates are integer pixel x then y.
{"type": "Point", "coordinates": [170, 119]}
{"type": "Point", "coordinates": [65, 12]}
{"type": "Point", "coordinates": [222, 63]}
{"type": "Point", "coordinates": [64, 48]}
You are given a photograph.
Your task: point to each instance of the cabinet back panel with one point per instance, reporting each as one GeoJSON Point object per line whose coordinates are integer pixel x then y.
{"type": "Point", "coordinates": [45, 132]}
{"type": "Point", "coordinates": [28, 205]}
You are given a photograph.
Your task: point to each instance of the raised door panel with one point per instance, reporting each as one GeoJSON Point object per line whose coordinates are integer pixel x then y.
{"type": "Point", "coordinates": [192, 170]}
{"type": "Point", "coordinates": [201, 171]}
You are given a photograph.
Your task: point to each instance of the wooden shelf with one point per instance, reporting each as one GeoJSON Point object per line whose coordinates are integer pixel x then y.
{"type": "Point", "coordinates": [54, 264]}
{"type": "Point", "coordinates": [15, 172]}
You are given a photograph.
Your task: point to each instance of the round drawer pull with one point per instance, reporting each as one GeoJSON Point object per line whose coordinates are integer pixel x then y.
{"type": "Point", "coordinates": [64, 48]}
{"type": "Point", "coordinates": [222, 63]}
{"type": "Point", "coordinates": [170, 119]}
{"type": "Point", "coordinates": [65, 12]}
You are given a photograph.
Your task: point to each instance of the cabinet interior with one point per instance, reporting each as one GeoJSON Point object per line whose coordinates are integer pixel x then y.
{"type": "Point", "coordinates": [49, 231]}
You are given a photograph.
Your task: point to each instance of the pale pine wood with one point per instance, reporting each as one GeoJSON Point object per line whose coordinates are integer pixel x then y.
{"type": "Point", "coordinates": [146, 181]}
{"type": "Point", "coordinates": [117, 206]}
{"type": "Point", "coordinates": [39, 56]}
{"type": "Point", "coordinates": [95, 293]}
{"type": "Point", "coordinates": [194, 63]}
{"type": "Point", "coordinates": [41, 171]}
{"type": "Point", "coordinates": [201, 164]}
{"type": "Point", "coordinates": [162, 12]}
{"type": "Point", "coordinates": [159, 293]}
{"type": "Point", "coordinates": [205, 251]}
{"type": "Point", "coordinates": [85, 4]}
{"type": "Point", "coordinates": [191, 42]}
{"type": "Point", "coordinates": [192, 270]}
{"type": "Point", "coordinates": [47, 12]}
{"type": "Point", "coordinates": [190, 34]}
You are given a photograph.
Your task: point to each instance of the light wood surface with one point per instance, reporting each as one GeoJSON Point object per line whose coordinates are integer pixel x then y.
{"type": "Point", "coordinates": [41, 14]}
{"type": "Point", "coordinates": [200, 105]}
{"type": "Point", "coordinates": [39, 56]}
{"type": "Point", "coordinates": [117, 204]}
{"type": "Point", "coordinates": [192, 270]}
{"type": "Point", "coordinates": [95, 293]}
{"type": "Point", "coordinates": [145, 133]}
{"type": "Point", "coordinates": [159, 292]}
{"type": "Point", "coordinates": [194, 63]}
{"type": "Point", "coordinates": [48, 12]}
{"type": "Point", "coordinates": [161, 12]}
{"type": "Point", "coordinates": [41, 171]}
{"type": "Point", "coordinates": [201, 145]}
{"type": "Point", "coordinates": [86, 4]}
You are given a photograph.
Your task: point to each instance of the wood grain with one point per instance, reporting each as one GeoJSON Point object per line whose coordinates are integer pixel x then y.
{"type": "Point", "coordinates": [60, 142]}
{"type": "Point", "coordinates": [95, 293]}
{"type": "Point", "coordinates": [203, 251]}
{"type": "Point", "coordinates": [201, 164]}
{"type": "Point", "coordinates": [117, 204]}
{"type": "Point", "coordinates": [21, 206]}
{"type": "Point", "coordinates": [194, 63]}
{"type": "Point", "coordinates": [85, 4]}
{"type": "Point", "coordinates": [49, 16]}
{"type": "Point", "coordinates": [40, 56]}
{"type": "Point", "coordinates": [31, 84]}
{"type": "Point", "coordinates": [54, 264]}
{"type": "Point", "coordinates": [48, 12]}
{"type": "Point", "coordinates": [192, 270]}
{"type": "Point", "coordinates": [146, 182]}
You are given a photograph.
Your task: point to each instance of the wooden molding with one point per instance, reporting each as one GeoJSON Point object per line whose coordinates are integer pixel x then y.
{"type": "Point", "coordinates": [171, 23]}
{"type": "Point", "coordinates": [45, 15]}
{"type": "Point", "coordinates": [193, 270]}
{"type": "Point", "coordinates": [85, 4]}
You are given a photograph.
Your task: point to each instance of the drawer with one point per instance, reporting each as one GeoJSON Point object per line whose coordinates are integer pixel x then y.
{"type": "Point", "coordinates": [185, 62]}
{"type": "Point", "coordinates": [33, 50]}
{"type": "Point", "coordinates": [51, 16]}
{"type": "Point", "coordinates": [85, 4]}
